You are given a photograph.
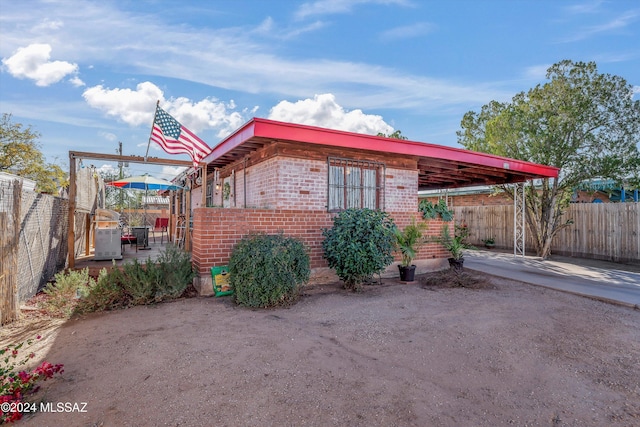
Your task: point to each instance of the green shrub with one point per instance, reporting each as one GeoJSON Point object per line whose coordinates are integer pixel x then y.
{"type": "Point", "coordinates": [106, 294]}
{"type": "Point", "coordinates": [176, 272]}
{"type": "Point", "coordinates": [140, 282]}
{"type": "Point", "coordinates": [268, 270]}
{"type": "Point", "coordinates": [64, 292]}
{"type": "Point", "coordinates": [359, 245]}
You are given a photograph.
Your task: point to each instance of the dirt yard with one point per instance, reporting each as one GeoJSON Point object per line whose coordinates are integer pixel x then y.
{"type": "Point", "coordinates": [394, 355]}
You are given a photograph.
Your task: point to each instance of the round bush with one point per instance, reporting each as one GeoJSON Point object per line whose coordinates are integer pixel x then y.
{"type": "Point", "coordinates": [359, 245]}
{"type": "Point", "coordinates": [268, 270]}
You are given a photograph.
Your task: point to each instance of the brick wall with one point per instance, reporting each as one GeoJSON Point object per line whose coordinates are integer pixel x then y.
{"type": "Point", "coordinates": [401, 187]}
{"type": "Point", "coordinates": [217, 230]}
{"type": "Point", "coordinates": [294, 183]}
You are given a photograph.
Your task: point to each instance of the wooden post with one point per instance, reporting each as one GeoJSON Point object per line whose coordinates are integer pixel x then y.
{"type": "Point", "coordinates": [172, 195]}
{"type": "Point", "coordinates": [187, 221]}
{"type": "Point", "coordinates": [71, 234]}
{"type": "Point", "coordinates": [204, 186]}
{"type": "Point", "coordinates": [87, 232]}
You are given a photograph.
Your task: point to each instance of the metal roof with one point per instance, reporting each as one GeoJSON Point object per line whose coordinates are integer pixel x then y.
{"type": "Point", "coordinates": [439, 166]}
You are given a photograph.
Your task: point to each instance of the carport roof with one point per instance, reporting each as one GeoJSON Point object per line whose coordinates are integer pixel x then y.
{"type": "Point", "coordinates": [439, 166]}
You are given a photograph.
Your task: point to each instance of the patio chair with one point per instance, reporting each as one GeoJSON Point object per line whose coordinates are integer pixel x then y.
{"type": "Point", "coordinates": [128, 238]}
{"type": "Point", "coordinates": [161, 225]}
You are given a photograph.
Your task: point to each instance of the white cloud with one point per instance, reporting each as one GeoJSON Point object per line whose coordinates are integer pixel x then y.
{"type": "Point", "coordinates": [170, 172]}
{"type": "Point", "coordinates": [48, 25]}
{"type": "Point", "coordinates": [107, 169]}
{"type": "Point", "coordinates": [636, 90]}
{"type": "Point", "coordinates": [329, 7]}
{"type": "Point", "coordinates": [76, 81]}
{"type": "Point", "coordinates": [537, 72]}
{"type": "Point", "coordinates": [205, 114]}
{"type": "Point", "coordinates": [238, 58]}
{"type": "Point", "coordinates": [587, 7]}
{"type": "Point", "coordinates": [613, 25]}
{"type": "Point", "coordinates": [136, 107]}
{"type": "Point", "coordinates": [108, 136]}
{"type": "Point", "coordinates": [408, 31]}
{"type": "Point", "coordinates": [32, 62]}
{"type": "Point", "coordinates": [324, 111]}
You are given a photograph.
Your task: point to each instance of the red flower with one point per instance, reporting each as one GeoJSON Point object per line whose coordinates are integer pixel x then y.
{"type": "Point", "coordinates": [24, 377]}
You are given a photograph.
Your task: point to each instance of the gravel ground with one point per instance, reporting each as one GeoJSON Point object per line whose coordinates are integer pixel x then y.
{"type": "Point", "coordinates": [394, 355]}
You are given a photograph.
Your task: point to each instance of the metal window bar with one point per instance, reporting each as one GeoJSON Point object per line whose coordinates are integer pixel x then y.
{"type": "Point", "coordinates": [355, 184]}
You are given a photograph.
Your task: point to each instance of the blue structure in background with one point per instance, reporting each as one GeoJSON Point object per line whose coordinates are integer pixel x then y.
{"type": "Point", "coordinates": [616, 193]}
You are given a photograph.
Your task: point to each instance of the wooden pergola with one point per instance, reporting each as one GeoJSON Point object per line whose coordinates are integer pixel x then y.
{"type": "Point", "coordinates": [73, 155]}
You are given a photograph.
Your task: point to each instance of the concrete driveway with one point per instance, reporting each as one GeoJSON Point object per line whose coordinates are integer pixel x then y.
{"type": "Point", "coordinates": [619, 283]}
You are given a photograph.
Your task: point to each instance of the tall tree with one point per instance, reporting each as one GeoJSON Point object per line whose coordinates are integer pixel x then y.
{"type": "Point", "coordinates": [582, 121]}
{"type": "Point", "coordinates": [21, 155]}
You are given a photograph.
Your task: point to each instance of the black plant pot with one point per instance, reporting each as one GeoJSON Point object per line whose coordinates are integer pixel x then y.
{"type": "Point", "coordinates": [407, 274]}
{"type": "Point", "coordinates": [456, 264]}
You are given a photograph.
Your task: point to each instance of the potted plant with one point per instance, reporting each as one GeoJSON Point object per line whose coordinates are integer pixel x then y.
{"type": "Point", "coordinates": [407, 242]}
{"type": "Point", "coordinates": [455, 245]}
{"type": "Point", "coordinates": [489, 242]}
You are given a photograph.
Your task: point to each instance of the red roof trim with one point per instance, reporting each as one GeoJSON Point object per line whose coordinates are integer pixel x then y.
{"type": "Point", "coordinates": [271, 129]}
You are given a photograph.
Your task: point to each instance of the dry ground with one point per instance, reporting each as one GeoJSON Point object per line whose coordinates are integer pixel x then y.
{"type": "Point", "coordinates": [394, 355]}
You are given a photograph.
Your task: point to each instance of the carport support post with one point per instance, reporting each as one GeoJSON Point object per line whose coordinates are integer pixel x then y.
{"type": "Point", "coordinates": [71, 234]}
{"type": "Point", "coordinates": [518, 219]}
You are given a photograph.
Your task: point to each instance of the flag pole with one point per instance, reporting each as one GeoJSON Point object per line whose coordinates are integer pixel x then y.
{"type": "Point", "coordinates": [151, 133]}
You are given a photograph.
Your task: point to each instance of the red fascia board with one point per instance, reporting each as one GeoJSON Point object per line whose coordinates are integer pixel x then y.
{"type": "Point", "coordinates": [234, 140]}
{"type": "Point", "coordinates": [271, 129]}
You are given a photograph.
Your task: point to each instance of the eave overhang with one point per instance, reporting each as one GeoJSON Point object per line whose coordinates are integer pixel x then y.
{"type": "Point", "coordinates": [439, 166]}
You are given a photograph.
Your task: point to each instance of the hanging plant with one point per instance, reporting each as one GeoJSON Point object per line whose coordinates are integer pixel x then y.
{"type": "Point", "coordinates": [226, 191]}
{"type": "Point", "coordinates": [431, 211]}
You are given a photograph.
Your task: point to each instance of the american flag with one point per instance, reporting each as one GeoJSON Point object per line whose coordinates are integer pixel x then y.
{"type": "Point", "coordinates": [177, 139]}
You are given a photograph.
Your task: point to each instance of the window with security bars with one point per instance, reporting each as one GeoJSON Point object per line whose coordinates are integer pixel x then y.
{"type": "Point", "coordinates": [355, 184]}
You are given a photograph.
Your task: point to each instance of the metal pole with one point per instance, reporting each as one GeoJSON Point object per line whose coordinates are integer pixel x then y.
{"type": "Point", "coordinates": [518, 220]}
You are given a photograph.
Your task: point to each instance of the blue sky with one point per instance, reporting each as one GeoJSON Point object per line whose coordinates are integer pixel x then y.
{"type": "Point", "coordinates": [87, 74]}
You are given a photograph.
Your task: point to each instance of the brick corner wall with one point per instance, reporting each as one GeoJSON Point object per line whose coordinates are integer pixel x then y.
{"type": "Point", "coordinates": [217, 230]}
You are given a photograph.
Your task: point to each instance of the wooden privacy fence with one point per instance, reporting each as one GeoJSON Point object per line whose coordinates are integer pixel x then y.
{"type": "Point", "coordinates": [10, 228]}
{"type": "Point", "coordinates": [606, 231]}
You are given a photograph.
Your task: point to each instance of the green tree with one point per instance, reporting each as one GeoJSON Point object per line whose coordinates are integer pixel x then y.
{"type": "Point", "coordinates": [121, 198]}
{"type": "Point", "coordinates": [20, 154]}
{"type": "Point", "coordinates": [582, 121]}
{"type": "Point", "coordinates": [397, 135]}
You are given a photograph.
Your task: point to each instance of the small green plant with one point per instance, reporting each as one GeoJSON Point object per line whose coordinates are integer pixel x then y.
{"type": "Point", "coordinates": [428, 209]}
{"type": "Point", "coordinates": [489, 241]}
{"type": "Point", "coordinates": [176, 272]}
{"type": "Point", "coordinates": [454, 244]}
{"type": "Point", "coordinates": [409, 240]}
{"type": "Point", "coordinates": [64, 292]}
{"type": "Point", "coordinates": [432, 211]}
{"type": "Point", "coordinates": [140, 282]}
{"type": "Point", "coordinates": [359, 245]}
{"type": "Point", "coordinates": [226, 191]}
{"type": "Point", "coordinates": [16, 385]}
{"type": "Point", "coordinates": [268, 270]}
{"type": "Point", "coordinates": [106, 294]}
